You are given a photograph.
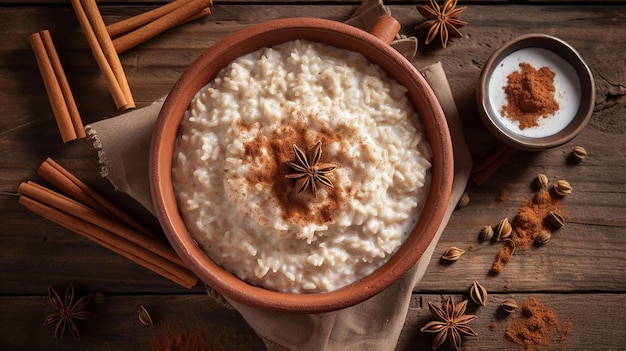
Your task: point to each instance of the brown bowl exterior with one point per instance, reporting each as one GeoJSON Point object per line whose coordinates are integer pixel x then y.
{"type": "Point", "coordinates": [204, 69]}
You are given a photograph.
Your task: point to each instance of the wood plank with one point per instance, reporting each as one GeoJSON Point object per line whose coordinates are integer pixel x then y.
{"type": "Point", "coordinates": [116, 325]}
{"type": "Point", "coordinates": [569, 262]}
{"type": "Point", "coordinates": [291, 2]}
{"type": "Point", "coordinates": [587, 332]}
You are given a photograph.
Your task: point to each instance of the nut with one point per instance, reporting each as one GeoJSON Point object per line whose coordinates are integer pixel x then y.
{"type": "Point", "coordinates": [503, 229]}
{"type": "Point", "coordinates": [579, 153]}
{"type": "Point", "coordinates": [562, 187]}
{"type": "Point", "coordinates": [508, 305]}
{"type": "Point", "coordinates": [556, 219]}
{"type": "Point", "coordinates": [486, 233]}
{"type": "Point", "coordinates": [144, 316]}
{"type": "Point", "coordinates": [542, 181]}
{"type": "Point", "coordinates": [452, 254]}
{"type": "Point", "coordinates": [543, 237]}
{"type": "Point", "coordinates": [463, 201]}
{"type": "Point", "coordinates": [478, 293]}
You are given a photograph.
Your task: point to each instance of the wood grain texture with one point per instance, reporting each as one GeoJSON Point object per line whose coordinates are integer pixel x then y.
{"type": "Point", "coordinates": [116, 325]}
{"type": "Point", "coordinates": [580, 273]}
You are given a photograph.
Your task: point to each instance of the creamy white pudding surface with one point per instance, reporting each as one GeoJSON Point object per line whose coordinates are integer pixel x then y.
{"type": "Point", "coordinates": [230, 167]}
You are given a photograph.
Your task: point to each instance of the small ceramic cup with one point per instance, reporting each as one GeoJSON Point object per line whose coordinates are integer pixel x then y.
{"type": "Point", "coordinates": [574, 92]}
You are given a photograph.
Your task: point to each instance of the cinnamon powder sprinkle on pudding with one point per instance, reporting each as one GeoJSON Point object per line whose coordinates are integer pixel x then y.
{"type": "Point", "coordinates": [233, 169]}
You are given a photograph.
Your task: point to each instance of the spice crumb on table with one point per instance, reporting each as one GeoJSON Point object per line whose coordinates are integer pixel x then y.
{"type": "Point", "coordinates": [537, 326]}
{"type": "Point", "coordinates": [530, 221]}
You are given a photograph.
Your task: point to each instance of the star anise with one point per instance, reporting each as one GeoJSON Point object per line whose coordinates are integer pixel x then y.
{"type": "Point", "coordinates": [450, 323]}
{"type": "Point", "coordinates": [441, 21]}
{"type": "Point", "coordinates": [308, 169]}
{"type": "Point", "coordinates": [69, 310]}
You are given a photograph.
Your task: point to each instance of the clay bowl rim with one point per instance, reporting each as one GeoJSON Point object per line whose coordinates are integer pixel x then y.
{"type": "Point", "coordinates": [204, 68]}
{"type": "Point", "coordinates": [567, 53]}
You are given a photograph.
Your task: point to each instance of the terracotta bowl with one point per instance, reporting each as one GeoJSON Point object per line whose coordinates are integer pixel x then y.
{"type": "Point", "coordinates": [204, 69]}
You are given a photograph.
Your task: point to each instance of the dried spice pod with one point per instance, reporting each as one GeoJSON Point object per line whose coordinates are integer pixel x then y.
{"type": "Point", "coordinates": [542, 181]}
{"type": "Point", "coordinates": [508, 305]}
{"type": "Point", "coordinates": [450, 323]}
{"type": "Point", "coordinates": [144, 316]}
{"type": "Point", "coordinates": [579, 153]}
{"type": "Point", "coordinates": [308, 170]}
{"type": "Point", "coordinates": [441, 21]}
{"type": "Point", "coordinates": [463, 201]}
{"type": "Point", "coordinates": [452, 254]}
{"type": "Point", "coordinates": [69, 310]}
{"type": "Point", "coordinates": [486, 233]}
{"type": "Point", "coordinates": [503, 229]}
{"type": "Point", "coordinates": [555, 219]}
{"type": "Point", "coordinates": [511, 244]}
{"type": "Point", "coordinates": [478, 293]}
{"type": "Point", "coordinates": [562, 187]}
{"type": "Point", "coordinates": [543, 237]}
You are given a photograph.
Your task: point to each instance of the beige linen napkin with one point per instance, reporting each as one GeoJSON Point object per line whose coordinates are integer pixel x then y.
{"type": "Point", "coordinates": [365, 16]}
{"type": "Point", "coordinates": [123, 146]}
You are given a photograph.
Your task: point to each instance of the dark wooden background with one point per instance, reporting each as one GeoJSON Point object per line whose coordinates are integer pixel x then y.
{"type": "Point", "coordinates": [581, 273]}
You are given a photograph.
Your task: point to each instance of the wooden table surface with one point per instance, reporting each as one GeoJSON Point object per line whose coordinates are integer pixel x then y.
{"type": "Point", "coordinates": [580, 274]}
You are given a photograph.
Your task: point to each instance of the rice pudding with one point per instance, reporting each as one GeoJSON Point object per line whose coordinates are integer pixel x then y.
{"type": "Point", "coordinates": [231, 168]}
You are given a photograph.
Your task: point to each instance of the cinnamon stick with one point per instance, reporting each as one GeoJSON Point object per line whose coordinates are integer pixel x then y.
{"type": "Point", "coordinates": [53, 89]}
{"type": "Point", "coordinates": [203, 13]}
{"type": "Point", "coordinates": [121, 246]}
{"type": "Point", "coordinates": [65, 204]}
{"type": "Point", "coordinates": [132, 23]}
{"type": "Point", "coordinates": [97, 23]}
{"type": "Point", "coordinates": [102, 49]}
{"type": "Point", "coordinates": [160, 25]}
{"type": "Point", "coordinates": [487, 167]}
{"type": "Point", "coordinates": [73, 187]}
{"type": "Point", "coordinates": [64, 84]}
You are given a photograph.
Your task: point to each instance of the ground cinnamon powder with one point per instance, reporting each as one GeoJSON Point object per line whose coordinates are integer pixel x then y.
{"type": "Point", "coordinates": [537, 326]}
{"type": "Point", "coordinates": [502, 195]}
{"type": "Point", "coordinates": [173, 338]}
{"type": "Point", "coordinates": [273, 153]}
{"type": "Point", "coordinates": [530, 95]}
{"type": "Point", "coordinates": [529, 221]}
